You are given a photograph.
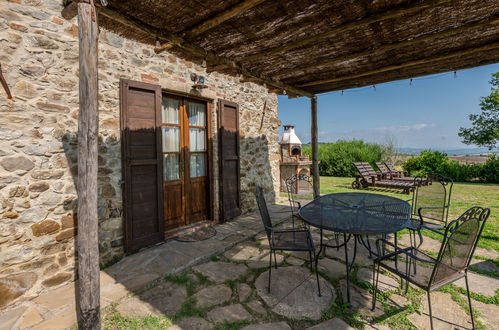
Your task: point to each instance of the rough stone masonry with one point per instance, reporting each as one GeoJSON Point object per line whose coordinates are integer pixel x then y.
{"type": "Point", "coordinates": [39, 56]}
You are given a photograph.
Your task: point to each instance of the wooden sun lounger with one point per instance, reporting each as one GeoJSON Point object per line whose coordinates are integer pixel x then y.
{"type": "Point", "coordinates": [399, 175]}
{"type": "Point", "coordinates": [368, 177]}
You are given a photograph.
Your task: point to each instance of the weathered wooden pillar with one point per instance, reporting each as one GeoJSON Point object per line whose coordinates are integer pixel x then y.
{"type": "Point", "coordinates": [88, 123]}
{"type": "Point", "coordinates": [315, 147]}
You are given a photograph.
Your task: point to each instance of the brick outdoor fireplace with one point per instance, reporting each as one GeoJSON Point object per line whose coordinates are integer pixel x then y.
{"type": "Point", "coordinates": [293, 162]}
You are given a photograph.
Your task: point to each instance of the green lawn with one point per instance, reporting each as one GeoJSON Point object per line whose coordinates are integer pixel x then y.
{"type": "Point", "coordinates": [464, 196]}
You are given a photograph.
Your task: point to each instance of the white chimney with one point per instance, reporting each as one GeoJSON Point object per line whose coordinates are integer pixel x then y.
{"type": "Point", "coordinates": [289, 136]}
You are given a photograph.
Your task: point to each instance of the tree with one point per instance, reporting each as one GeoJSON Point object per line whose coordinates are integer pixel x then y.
{"type": "Point", "coordinates": [485, 125]}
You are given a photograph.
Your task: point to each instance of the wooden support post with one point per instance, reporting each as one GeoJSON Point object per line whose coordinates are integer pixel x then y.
{"type": "Point", "coordinates": [88, 121]}
{"type": "Point", "coordinates": [315, 148]}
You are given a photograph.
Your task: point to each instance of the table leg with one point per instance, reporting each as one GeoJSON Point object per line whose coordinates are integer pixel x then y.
{"type": "Point", "coordinates": [349, 265]}
{"type": "Point", "coordinates": [317, 262]}
{"type": "Point", "coordinates": [347, 268]}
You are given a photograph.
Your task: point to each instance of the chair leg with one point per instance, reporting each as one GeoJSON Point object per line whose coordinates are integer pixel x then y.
{"type": "Point", "coordinates": [311, 261]}
{"type": "Point", "coordinates": [375, 286]}
{"type": "Point", "coordinates": [429, 309]}
{"type": "Point", "coordinates": [396, 247]}
{"type": "Point", "coordinates": [317, 273]}
{"type": "Point", "coordinates": [407, 274]}
{"type": "Point", "coordinates": [275, 259]}
{"type": "Point", "coordinates": [270, 270]}
{"type": "Point", "coordinates": [419, 245]}
{"type": "Point", "coordinates": [469, 300]}
{"type": "Point", "coordinates": [322, 246]}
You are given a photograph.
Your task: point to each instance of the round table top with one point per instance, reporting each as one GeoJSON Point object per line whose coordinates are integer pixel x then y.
{"type": "Point", "coordinates": [357, 213]}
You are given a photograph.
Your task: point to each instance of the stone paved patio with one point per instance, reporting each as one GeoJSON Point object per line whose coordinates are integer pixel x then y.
{"type": "Point", "coordinates": [221, 283]}
{"type": "Point", "coordinates": [56, 309]}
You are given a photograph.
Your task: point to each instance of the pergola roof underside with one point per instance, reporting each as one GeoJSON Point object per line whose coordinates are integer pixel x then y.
{"type": "Point", "coordinates": [442, 36]}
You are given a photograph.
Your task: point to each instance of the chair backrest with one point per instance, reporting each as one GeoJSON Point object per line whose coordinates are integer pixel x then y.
{"type": "Point", "coordinates": [436, 194]}
{"type": "Point", "coordinates": [460, 240]}
{"type": "Point", "coordinates": [391, 167]}
{"type": "Point", "coordinates": [292, 184]}
{"type": "Point", "coordinates": [264, 212]}
{"type": "Point", "coordinates": [365, 170]}
{"type": "Point", "coordinates": [382, 167]}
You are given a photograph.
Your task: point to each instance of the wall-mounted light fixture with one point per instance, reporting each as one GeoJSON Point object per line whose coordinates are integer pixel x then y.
{"type": "Point", "coordinates": [198, 81]}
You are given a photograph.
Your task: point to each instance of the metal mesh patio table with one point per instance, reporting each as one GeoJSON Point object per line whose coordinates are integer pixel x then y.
{"type": "Point", "coordinates": [356, 215]}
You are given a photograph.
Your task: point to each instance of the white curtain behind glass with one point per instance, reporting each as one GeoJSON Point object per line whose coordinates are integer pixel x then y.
{"type": "Point", "coordinates": [197, 166]}
{"type": "Point", "coordinates": [197, 139]}
{"type": "Point", "coordinates": [170, 111]}
{"type": "Point", "coordinates": [171, 142]}
{"type": "Point", "coordinates": [171, 167]}
{"type": "Point", "coordinates": [197, 114]}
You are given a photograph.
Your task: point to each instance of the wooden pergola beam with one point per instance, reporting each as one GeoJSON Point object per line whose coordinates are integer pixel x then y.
{"type": "Point", "coordinates": [209, 56]}
{"type": "Point", "coordinates": [88, 128]}
{"type": "Point", "coordinates": [344, 28]}
{"type": "Point", "coordinates": [315, 147]}
{"type": "Point", "coordinates": [462, 52]}
{"type": "Point", "coordinates": [393, 46]}
{"type": "Point", "coordinates": [214, 21]}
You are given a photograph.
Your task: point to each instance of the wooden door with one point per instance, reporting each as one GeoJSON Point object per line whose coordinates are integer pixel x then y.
{"type": "Point", "coordinates": [185, 174]}
{"type": "Point", "coordinates": [228, 126]}
{"type": "Point", "coordinates": [140, 105]}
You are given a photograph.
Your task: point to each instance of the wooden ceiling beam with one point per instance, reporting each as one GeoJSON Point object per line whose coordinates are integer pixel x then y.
{"type": "Point", "coordinates": [383, 78]}
{"type": "Point", "coordinates": [209, 56]}
{"type": "Point", "coordinates": [213, 22]}
{"type": "Point", "coordinates": [344, 28]}
{"type": "Point", "coordinates": [462, 52]}
{"type": "Point", "coordinates": [393, 46]}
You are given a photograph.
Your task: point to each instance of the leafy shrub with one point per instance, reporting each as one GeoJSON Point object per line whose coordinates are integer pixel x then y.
{"type": "Point", "coordinates": [490, 170]}
{"type": "Point", "coordinates": [336, 158]}
{"type": "Point", "coordinates": [438, 162]}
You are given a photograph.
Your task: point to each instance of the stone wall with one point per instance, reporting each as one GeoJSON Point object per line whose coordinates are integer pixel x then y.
{"type": "Point", "coordinates": [39, 56]}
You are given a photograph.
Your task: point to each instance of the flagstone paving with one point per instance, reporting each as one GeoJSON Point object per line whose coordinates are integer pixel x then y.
{"type": "Point", "coordinates": [220, 272]}
{"type": "Point", "coordinates": [268, 326]}
{"type": "Point", "coordinates": [447, 314]}
{"type": "Point", "coordinates": [221, 283]}
{"type": "Point", "coordinates": [482, 284]}
{"type": "Point", "coordinates": [213, 295]}
{"type": "Point", "coordinates": [335, 323]}
{"type": "Point", "coordinates": [229, 314]}
{"type": "Point", "coordinates": [293, 293]}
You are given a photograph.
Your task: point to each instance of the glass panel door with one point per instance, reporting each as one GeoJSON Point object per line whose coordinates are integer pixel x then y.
{"type": "Point", "coordinates": [171, 130]}
{"type": "Point", "coordinates": [185, 161]}
{"type": "Point", "coordinates": [197, 139]}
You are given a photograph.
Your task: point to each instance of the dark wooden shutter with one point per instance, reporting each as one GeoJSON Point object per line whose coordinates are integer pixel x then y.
{"type": "Point", "coordinates": [142, 164]}
{"type": "Point", "coordinates": [228, 126]}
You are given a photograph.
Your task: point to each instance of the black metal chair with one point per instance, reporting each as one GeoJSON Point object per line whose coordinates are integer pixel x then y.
{"type": "Point", "coordinates": [284, 239]}
{"type": "Point", "coordinates": [430, 206]}
{"type": "Point", "coordinates": [459, 242]}
{"type": "Point", "coordinates": [292, 184]}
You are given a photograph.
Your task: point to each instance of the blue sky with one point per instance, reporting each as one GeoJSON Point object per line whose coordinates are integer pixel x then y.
{"type": "Point", "coordinates": [426, 114]}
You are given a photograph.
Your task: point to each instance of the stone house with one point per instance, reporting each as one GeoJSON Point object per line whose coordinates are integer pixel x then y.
{"type": "Point", "coordinates": [167, 162]}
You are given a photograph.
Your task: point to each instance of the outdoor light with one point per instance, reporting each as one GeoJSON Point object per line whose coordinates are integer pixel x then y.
{"type": "Point", "coordinates": [198, 81]}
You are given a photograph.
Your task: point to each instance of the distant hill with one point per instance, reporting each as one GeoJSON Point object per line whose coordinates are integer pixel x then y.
{"type": "Point", "coordinates": [450, 152]}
